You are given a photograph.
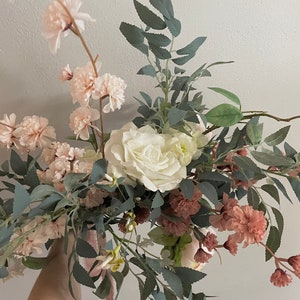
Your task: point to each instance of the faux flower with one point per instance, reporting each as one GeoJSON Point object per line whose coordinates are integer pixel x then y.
{"type": "Point", "coordinates": [144, 155]}
{"type": "Point", "coordinates": [111, 260]}
{"type": "Point", "coordinates": [34, 132]}
{"type": "Point", "coordinates": [83, 83]}
{"type": "Point", "coordinates": [66, 73]}
{"type": "Point", "coordinates": [81, 119]}
{"type": "Point", "coordinates": [294, 261]}
{"type": "Point", "coordinates": [7, 127]}
{"type": "Point", "coordinates": [113, 87]}
{"type": "Point", "coordinates": [280, 278]}
{"type": "Point", "coordinates": [56, 21]}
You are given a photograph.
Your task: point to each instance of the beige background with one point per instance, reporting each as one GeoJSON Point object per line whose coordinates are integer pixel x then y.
{"type": "Point", "coordinates": [261, 36]}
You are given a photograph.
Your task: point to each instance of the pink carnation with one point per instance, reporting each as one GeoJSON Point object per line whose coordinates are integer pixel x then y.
{"type": "Point", "coordinates": [66, 73]}
{"type": "Point", "coordinates": [83, 83]}
{"type": "Point", "coordinates": [7, 127]}
{"type": "Point", "coordinates": [56, 21]}
{"type": "Point", "coordinates": [34, 132]}
{"type": "Point", "coordinates": [231, 245]}
{"type": "Point", "coordinates": [280, 278]}
{"type": "Point", "coordinates": [182, 206]}
{"type": "Point", "coordinates": [81, 119]}
{"type": "Point", "coordinates": [173, 226]}
{"type": "Point", "coordinates": [113, 87]}
{"type": "Point", "coordinates": [249, 224]}
{"type": "Point", "coordinates": [294, 261]}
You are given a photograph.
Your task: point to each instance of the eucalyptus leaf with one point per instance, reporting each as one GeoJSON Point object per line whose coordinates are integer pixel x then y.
{"type": "Point", "coordinates": [189, 275]}
{"type": "Point", "coordinates": [35, 263]}
{"type": "Point", "coordinates": [281, 188]}
{"type": "Point", "coordinates": [174, 26]}
{"type": "Point", "coordinates": [157, 200]}
{"type": "Point", "coordinates": [271, 159]}
{"type": "Point", "coordinates": [159, 40]}
{"type": "Point", "coordinates": [174, 282]}
{"type": "Point", "coordinates": [84, 249]}
{"type": "Point", "coordinates": [21, 200]}
{"type": "Point", "coordinates": [159, 52]}
{"type": "Point", "coordinates": [98, 171]}
{"type": "Point", "coordinates": [224, 115]}
{"type": "Point", "coordinates": [192, 47]}
{"type": "Point", "coordinates": [149, 286]}
{"type": "Point", "coordinates": [279, 219]}
{"type": "Point", "coordinates": [254, 133]}
{"type": "Point", "coordinates": [175, 115]}
{"type": "Point", "coordinates": [164, 7]}
{"type": "Point", "coordinates": [187, 188]}
{"type": "Point", "coordinates": [147, 70]}
{"type": "Point", "coordinates": [82, 276]}
{"type": "Point", "coordinates": [148, 17]}
{"type": "Point", "coordinates": [134, 36]}
{"type": "Point", "coordinates": [209, 191]}
{"type": "Point", "coordinates": [231, 96]}
{"type": "Point", "coordinates": [16, 163]}
{"type": "Point", "coordinates": [273, 242]}
{"type": "Point", "coordinates": [295, 184]}
{"type": "Point", "coordinates": [182, 59]}
{"type": "Point", "coordinates": [245, 163]}
{"type": "Point", "coordinates": [3, 272]}
{"type": "Point", "coordinates": [277, 137]}
{"type": "Point", "coordinates": [253, 198]}
{"type": "Point", "coordinates": [104, 287]}
{"type": "Point", "coordinates": [272, 191]}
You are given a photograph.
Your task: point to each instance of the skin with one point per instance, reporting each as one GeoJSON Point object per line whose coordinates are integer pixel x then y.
{"type": "Point", "coordinates": [53, 280]}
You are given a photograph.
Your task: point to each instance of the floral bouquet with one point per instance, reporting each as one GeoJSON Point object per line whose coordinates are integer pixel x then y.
{"type": "Point", "coordinates": [187, 169]}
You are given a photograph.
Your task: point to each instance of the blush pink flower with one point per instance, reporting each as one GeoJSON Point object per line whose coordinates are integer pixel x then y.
{"type": "Point", "coordinates": [83, 83]}
{"type": "Point", "coordinates": [280, 278]}
{"type": "Point", "coordinates": [294, 261]}
{"type": "Point", "coordinates": [81, 119]}
{"type": "Point", "coordinates": [113, 87]}
{"type": "Point", "coordinates": [56, 21]}
{"type": "Point", "coordinates": [7, 127]}
{"type": "Point", "coordinates": [202, 256]}
{"type": "Point", "coordinates": [182, 206]}
{"type": "Point", "coordinates": [34, 132]}
{"type": "Point", "coordinates": [66, 73]}
{"type": "Point", "coordinates": [210, 241]}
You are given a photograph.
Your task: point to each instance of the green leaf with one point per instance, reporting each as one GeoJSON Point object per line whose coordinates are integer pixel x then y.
{"type": "Point", "coordinates": [49, 201]}
{"type": "Point", "coordinates": [104, 287]}
{"type": "Point", "coordinates": [148, 17]}
{"type": "Point", "coordinates": [16, 163]}
{"type": "Point", "coordinates": [98, 171]}
{"type": "Point", "coordinates": [174, 282]}
{"type": "Point", "coordinates": [209, 191]}
{"type": "Point", "coordinates": [253, 198]}
{"type": "Point", "coordinates": [147, 98]}
{"type": "Point", "coordinates": [189, 275]}
{"type": "Point", "coordinates": [245, 163]}
{"type": "Point", "coordinates": [192, 47]}
{"type": "Point", "coordinates": [118, 277]}
{"type": "Point", "coordinates": [254, 133]}
{"type": "Point", "coordinates": [273, 242]}
{"type": "Point", "coordinates": [157, 201]}
{"type": "Point", "coordinates": [84, 249]}
{"type": "Point", "coordinates": [279, 219]}
{"type": "Point", "coordinates": [159, 40]}
{"type": "Point", "coordinates": [183, 59]}
{"type": "Point", "coordinates": [21, 200]}
{"type": "Point", "coordinates": [147, 70]}
{"type": "Point", "coordinates": [134, 36]}
{"type": "Point", "coordinates": [5, 234]}
{"type": "Point", "coordinates": [169, 294]}
{"type": "Point", "coordinates": [174, 26]}
{"type": "Point", "coordinates": [158, 236]}
{"type": "Point", "coordinates": [175, 115]}
{"type": "Point", "coordinates": [72, 180]}
{"type": "Point", "coordinates": [149, 286]}
{"type": "Point", "coordinates": [281, 188]}
{"type": "Point", "coordinates": [295, 184]}
{"type": "Point", "coordinates": [187, 188]}
{"type": "Point", "coordinates": [224, 115]}
{"type": "Point", "coordinates": [164, 7]}
{"type": "Point", "coordinates": [3, 272]}
{"type": "Point", "coordinates": [234, 98]}
{"type": "Point", "coordinates": [278, 136]}
{"type": "Point", "coordinates": [272, 191]}
{"type": "Point", "coordinates": [272, 159]}
{"type": "Point", "coordinates": [214, 176]}
{"type": "Point", "coordinates": [82, 276]}
{"type": "Point", "coordinates": [42, 191]}
{"type": "Point", "coordinates": [159, 52]}
{"type": "Point", "coordinates": [35, 263]}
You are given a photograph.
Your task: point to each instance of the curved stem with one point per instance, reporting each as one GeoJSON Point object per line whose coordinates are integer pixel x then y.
{"type": "Point", "coordinates": [76, 31]}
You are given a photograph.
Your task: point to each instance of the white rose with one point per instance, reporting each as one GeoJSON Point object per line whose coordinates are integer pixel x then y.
{"type": "Point", "coordinates": [144, 155]}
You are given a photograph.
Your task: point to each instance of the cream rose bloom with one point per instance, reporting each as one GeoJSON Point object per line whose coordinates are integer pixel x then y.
{"type": "Point", "coordinates": [142, 154]}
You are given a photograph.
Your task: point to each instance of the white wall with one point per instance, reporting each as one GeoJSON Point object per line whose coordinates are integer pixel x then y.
{"type": "Point", "coordinates": [261, 36]}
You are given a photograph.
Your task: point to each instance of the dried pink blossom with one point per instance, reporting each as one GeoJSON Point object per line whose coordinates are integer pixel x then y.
{"type": "Point", "coordinates": [171, 225]}
{"type": "Point", "coordinates": [294, 261]}
{"type": "Point", "coordinates": [249, 224]}
{"type": "Point", "coordinates": [7, 127]}
{"type": "Point", "coordinates": [83, 83]}
{"type": "Point", "coordinates": [56, 21]}
{"type": "Point", "coordinates": [231, 245]}
{"type": "Point", "coordinates": [81, 119]}
{"type": "Point", "coordinates": [210, 241]}
{"type": "Point", "coordinates": [280, 278]}
{"type": "Point", "coordinates": [95, 197]}
{"type": "Point", "coordinates": [113, 87]}
{"type": "Point", "coordinates": [66, 73]}
{"type": "Point", "coordinates": [202, 256]}
{"type": "Point", "coordinates": [34, 132]}
{"type": "Point", "coordinates": [182, 206]}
